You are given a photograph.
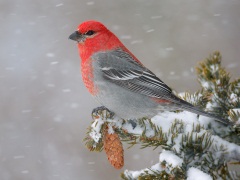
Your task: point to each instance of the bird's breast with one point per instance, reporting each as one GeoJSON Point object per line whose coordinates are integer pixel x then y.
{"type": "Point", "coordinates": [88, 76]}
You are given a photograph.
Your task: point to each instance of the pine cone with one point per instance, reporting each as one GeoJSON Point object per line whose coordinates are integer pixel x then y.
{"type": "Point", "coordinates": [114, 149]}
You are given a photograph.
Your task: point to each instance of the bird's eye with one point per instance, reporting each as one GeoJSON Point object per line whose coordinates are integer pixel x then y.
{"type": "Point", "coordinates": [90, 32]}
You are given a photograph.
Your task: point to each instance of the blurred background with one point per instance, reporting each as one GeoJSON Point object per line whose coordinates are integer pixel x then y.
{"type": "Point", "coordinates": [45, 108]}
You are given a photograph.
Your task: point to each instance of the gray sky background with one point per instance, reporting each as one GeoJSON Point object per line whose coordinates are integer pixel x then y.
{"type": "Point", "coordinates": [45, 108]}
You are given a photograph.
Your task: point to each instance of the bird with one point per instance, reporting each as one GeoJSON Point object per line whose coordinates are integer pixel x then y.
{"type": "Point", "coordinates": [119, 81]}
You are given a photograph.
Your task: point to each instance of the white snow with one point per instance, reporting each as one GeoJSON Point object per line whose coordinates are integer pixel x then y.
{"type": "Point", "coordinates": [58, 118]}
{"type": "Point", "coordinates": [170, 158]}
{"type": "Point", "coordinates": [196, 174]}
{"type": "Point", "coordinates": [60, 4]}
{"type": "Point", "coordinates": [205, 121]}
{"type": "Point", "coordinates": [205, 84]}
{"type": "Point", "coordinates": [210, 105]}
{"type": "Point", "coordinates": [19, 157]}
{"type": "Point", "coordinates": [96, 128]}
{"type": "Point", "coordinates": [50, 55]}
{"type": "Point", "coordinates": [25, 172]}
{"type": "Point", "coordinates": [169, 49]}
{"type": "Point", "coordinates": [234, 98]}
{"type": "Point", "coordinates": [214, 68]}
{"type": "Point", "coordinates": [51, 85]}
{"type": "Point", "coordinates": [177, 145]}
{"type": "Point", "coordinates": [136, 174]}
{"type": "Point", "coordinates": [110, 129]}
{"type": "Point", "coordinates": [150, 30]}
{"type": "Point", "coordinates": [91, 162]}
{"type": "Point", "coordinates": [125, 37]}
{"type": "Point", "coordinates": [130, 129]}
{"type": "Point", "coordinates": [66, 90]}
{"type": "Point", "coordinates": [90, 3]}
{"type": "Point", "coordinates": [233, 150]}
{"type": "Point", "coordinates": [156, 167]}
{"type": "Point", "coordinates": [236, 110]}
{"type": "Point", "coordinates": [136, 41]}
{"type": "Point", "coordinates": [165, 119]}
{"type": "Point", "coordinates": [26, 111]}
{"type": "Point", "coordinates": [54, 62]}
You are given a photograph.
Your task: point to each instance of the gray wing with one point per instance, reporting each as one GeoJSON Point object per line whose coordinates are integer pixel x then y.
{"type": "Point", "coordinates": [120, 68]}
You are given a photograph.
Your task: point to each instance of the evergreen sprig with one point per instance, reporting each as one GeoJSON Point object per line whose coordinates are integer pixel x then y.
{"type": "Point", "coordinates": [199, 146]}
{"type": "Point", "coordinates": [217, 87]}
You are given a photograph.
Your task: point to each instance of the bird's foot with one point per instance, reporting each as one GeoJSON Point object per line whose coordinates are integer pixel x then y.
{"type": "Point", "coordinates": [103, 112]}
{"type": "Point", "coordinates": [133, 123]}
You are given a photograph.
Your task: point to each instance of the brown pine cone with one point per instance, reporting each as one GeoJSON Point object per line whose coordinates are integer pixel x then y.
{"type": "Point", "coordinates": [114, 149]}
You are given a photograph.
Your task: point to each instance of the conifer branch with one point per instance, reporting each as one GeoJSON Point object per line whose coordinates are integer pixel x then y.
{"type": "Point", "coordinates": [190, 143]}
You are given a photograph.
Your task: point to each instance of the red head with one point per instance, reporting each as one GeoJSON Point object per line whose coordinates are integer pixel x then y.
{"type": "Point", "coordinates": [93, 36]}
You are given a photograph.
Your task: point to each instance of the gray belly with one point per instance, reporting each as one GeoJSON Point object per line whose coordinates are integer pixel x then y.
{"type": "Point", "coordinates": [124, 103]}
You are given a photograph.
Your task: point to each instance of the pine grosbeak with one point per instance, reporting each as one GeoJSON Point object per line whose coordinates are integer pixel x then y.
{"type": "Point", "coordinates": [119, 81]}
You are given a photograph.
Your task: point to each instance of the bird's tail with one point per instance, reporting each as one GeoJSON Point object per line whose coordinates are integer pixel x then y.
{"type": "Point", "coordinates": [189, 107]}
{"type": "Point", "coordinates": [203, 113]}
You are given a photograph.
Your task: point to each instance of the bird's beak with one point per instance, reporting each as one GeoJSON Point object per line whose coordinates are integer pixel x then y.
{"type": "Point", "coordinates": [76, 36]}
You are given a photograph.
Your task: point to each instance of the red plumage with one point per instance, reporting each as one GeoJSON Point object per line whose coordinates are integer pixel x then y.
{"type": "Point", "coordinates": [119, 81]}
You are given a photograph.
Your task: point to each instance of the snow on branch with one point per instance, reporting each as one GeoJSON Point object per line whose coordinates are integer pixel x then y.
{"type": "Point", "coordinates": [192, 146]}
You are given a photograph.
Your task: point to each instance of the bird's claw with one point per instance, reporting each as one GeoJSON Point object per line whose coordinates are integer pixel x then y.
{"type": "Point", "coordinates": [133, 123]}
{"type": "Point", "coordinates": [103, 112]}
